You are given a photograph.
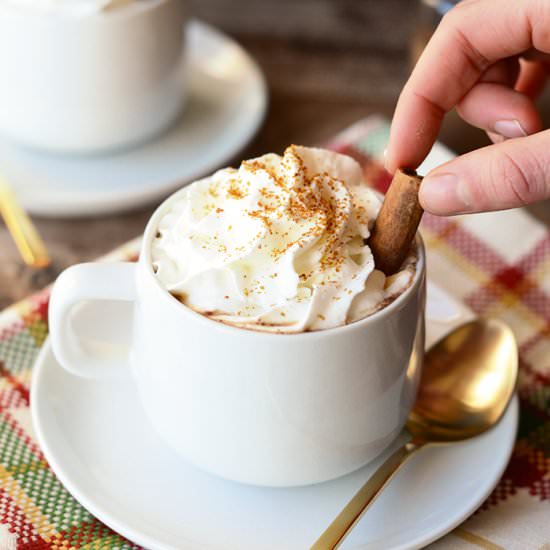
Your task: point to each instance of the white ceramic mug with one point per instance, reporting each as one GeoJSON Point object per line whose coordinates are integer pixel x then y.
{"type": "Point", "coordinates": [260, 408]}
{"type": "Point", "coordinates": [93, 82]}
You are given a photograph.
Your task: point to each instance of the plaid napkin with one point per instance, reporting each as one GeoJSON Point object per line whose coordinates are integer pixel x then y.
{"type": "Point", "coordinates": [498, 264]}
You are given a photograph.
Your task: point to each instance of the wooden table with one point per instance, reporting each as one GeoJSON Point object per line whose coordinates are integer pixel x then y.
{"type": "Point", "coordinates": [327, 62]}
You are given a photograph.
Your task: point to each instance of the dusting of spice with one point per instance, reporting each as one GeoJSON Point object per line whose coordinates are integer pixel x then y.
{"type": "Point", "coordinates": [281, 237]}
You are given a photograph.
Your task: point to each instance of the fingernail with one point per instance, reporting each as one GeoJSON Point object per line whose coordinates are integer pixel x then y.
{"type": "Point", "coordinates": [444, 194]}
{"type": "Point", "coordinates": [510, 129]}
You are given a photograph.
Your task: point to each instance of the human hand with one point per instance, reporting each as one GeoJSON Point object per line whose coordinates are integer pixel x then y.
{"type": "Point", "coordinates": [488, 58]}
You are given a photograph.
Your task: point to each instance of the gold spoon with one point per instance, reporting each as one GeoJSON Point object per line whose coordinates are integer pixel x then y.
{"type": "Point", "coordinates": [26, 237]}
{"type": "Point", "coordinates": [468, 379]}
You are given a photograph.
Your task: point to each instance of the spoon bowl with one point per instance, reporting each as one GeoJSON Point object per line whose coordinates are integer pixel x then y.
{"type": "Point", "coordinates": [468, 380]}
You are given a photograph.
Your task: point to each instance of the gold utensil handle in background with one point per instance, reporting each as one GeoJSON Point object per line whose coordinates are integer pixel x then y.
{"type": "Point", "coordinates": [344, 522]}
{"type": "Point", "coordinates": [25, 235]}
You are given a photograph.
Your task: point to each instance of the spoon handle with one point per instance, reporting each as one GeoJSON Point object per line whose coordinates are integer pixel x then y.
{"type": "Point", "coordinates": [24, 233]}
{"type": "Point", "coordinates": [345, 521]}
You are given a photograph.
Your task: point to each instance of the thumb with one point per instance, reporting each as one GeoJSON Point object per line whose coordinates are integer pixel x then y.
{"type": "Point", "coordinates": [509, 174]}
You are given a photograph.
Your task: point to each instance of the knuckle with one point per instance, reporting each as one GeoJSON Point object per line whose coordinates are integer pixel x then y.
{"type": "Point", "coordinates": [456, 23]}
{"type": "Point", "coordinates": [513, 181]}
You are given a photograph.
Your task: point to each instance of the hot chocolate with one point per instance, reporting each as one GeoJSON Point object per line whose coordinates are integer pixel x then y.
{"type": "Point", "coordinates": [278, 245]}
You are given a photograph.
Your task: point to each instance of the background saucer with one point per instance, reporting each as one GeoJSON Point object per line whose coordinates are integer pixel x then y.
{"type": "Point", "coordinates": [226, 104]}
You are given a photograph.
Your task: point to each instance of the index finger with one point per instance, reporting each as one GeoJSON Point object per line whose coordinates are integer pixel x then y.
{"type": "Point", "coordinates": [471, 37]}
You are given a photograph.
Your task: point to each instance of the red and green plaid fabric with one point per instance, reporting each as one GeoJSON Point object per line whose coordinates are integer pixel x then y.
{"type": "Point", "coordinates": [498, 264]}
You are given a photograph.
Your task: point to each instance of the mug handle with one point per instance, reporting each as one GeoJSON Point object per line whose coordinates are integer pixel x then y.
{"type": "Point", "coordinates": [88, 281]}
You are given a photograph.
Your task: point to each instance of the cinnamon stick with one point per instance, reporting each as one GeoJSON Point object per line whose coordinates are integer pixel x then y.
{"type": "Point", "coordinates": [397, 222]}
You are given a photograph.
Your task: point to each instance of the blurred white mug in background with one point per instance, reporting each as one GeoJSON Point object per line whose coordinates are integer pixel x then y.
{"type": "Point", "coordinates": [85, 76]}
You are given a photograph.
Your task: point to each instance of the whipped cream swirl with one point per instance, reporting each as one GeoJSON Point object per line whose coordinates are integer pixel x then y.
{"type": "Point", "coordinates": [277, 245]}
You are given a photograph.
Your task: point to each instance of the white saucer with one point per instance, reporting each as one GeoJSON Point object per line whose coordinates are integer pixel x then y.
{"type": "Point", "coordinates": [97, 440]}
{"type": "Point", "coordinates": [226, 105]}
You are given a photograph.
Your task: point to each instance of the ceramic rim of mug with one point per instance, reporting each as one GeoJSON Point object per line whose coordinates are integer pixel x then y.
{"type": "Point", "coordinates": [146, 259]}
